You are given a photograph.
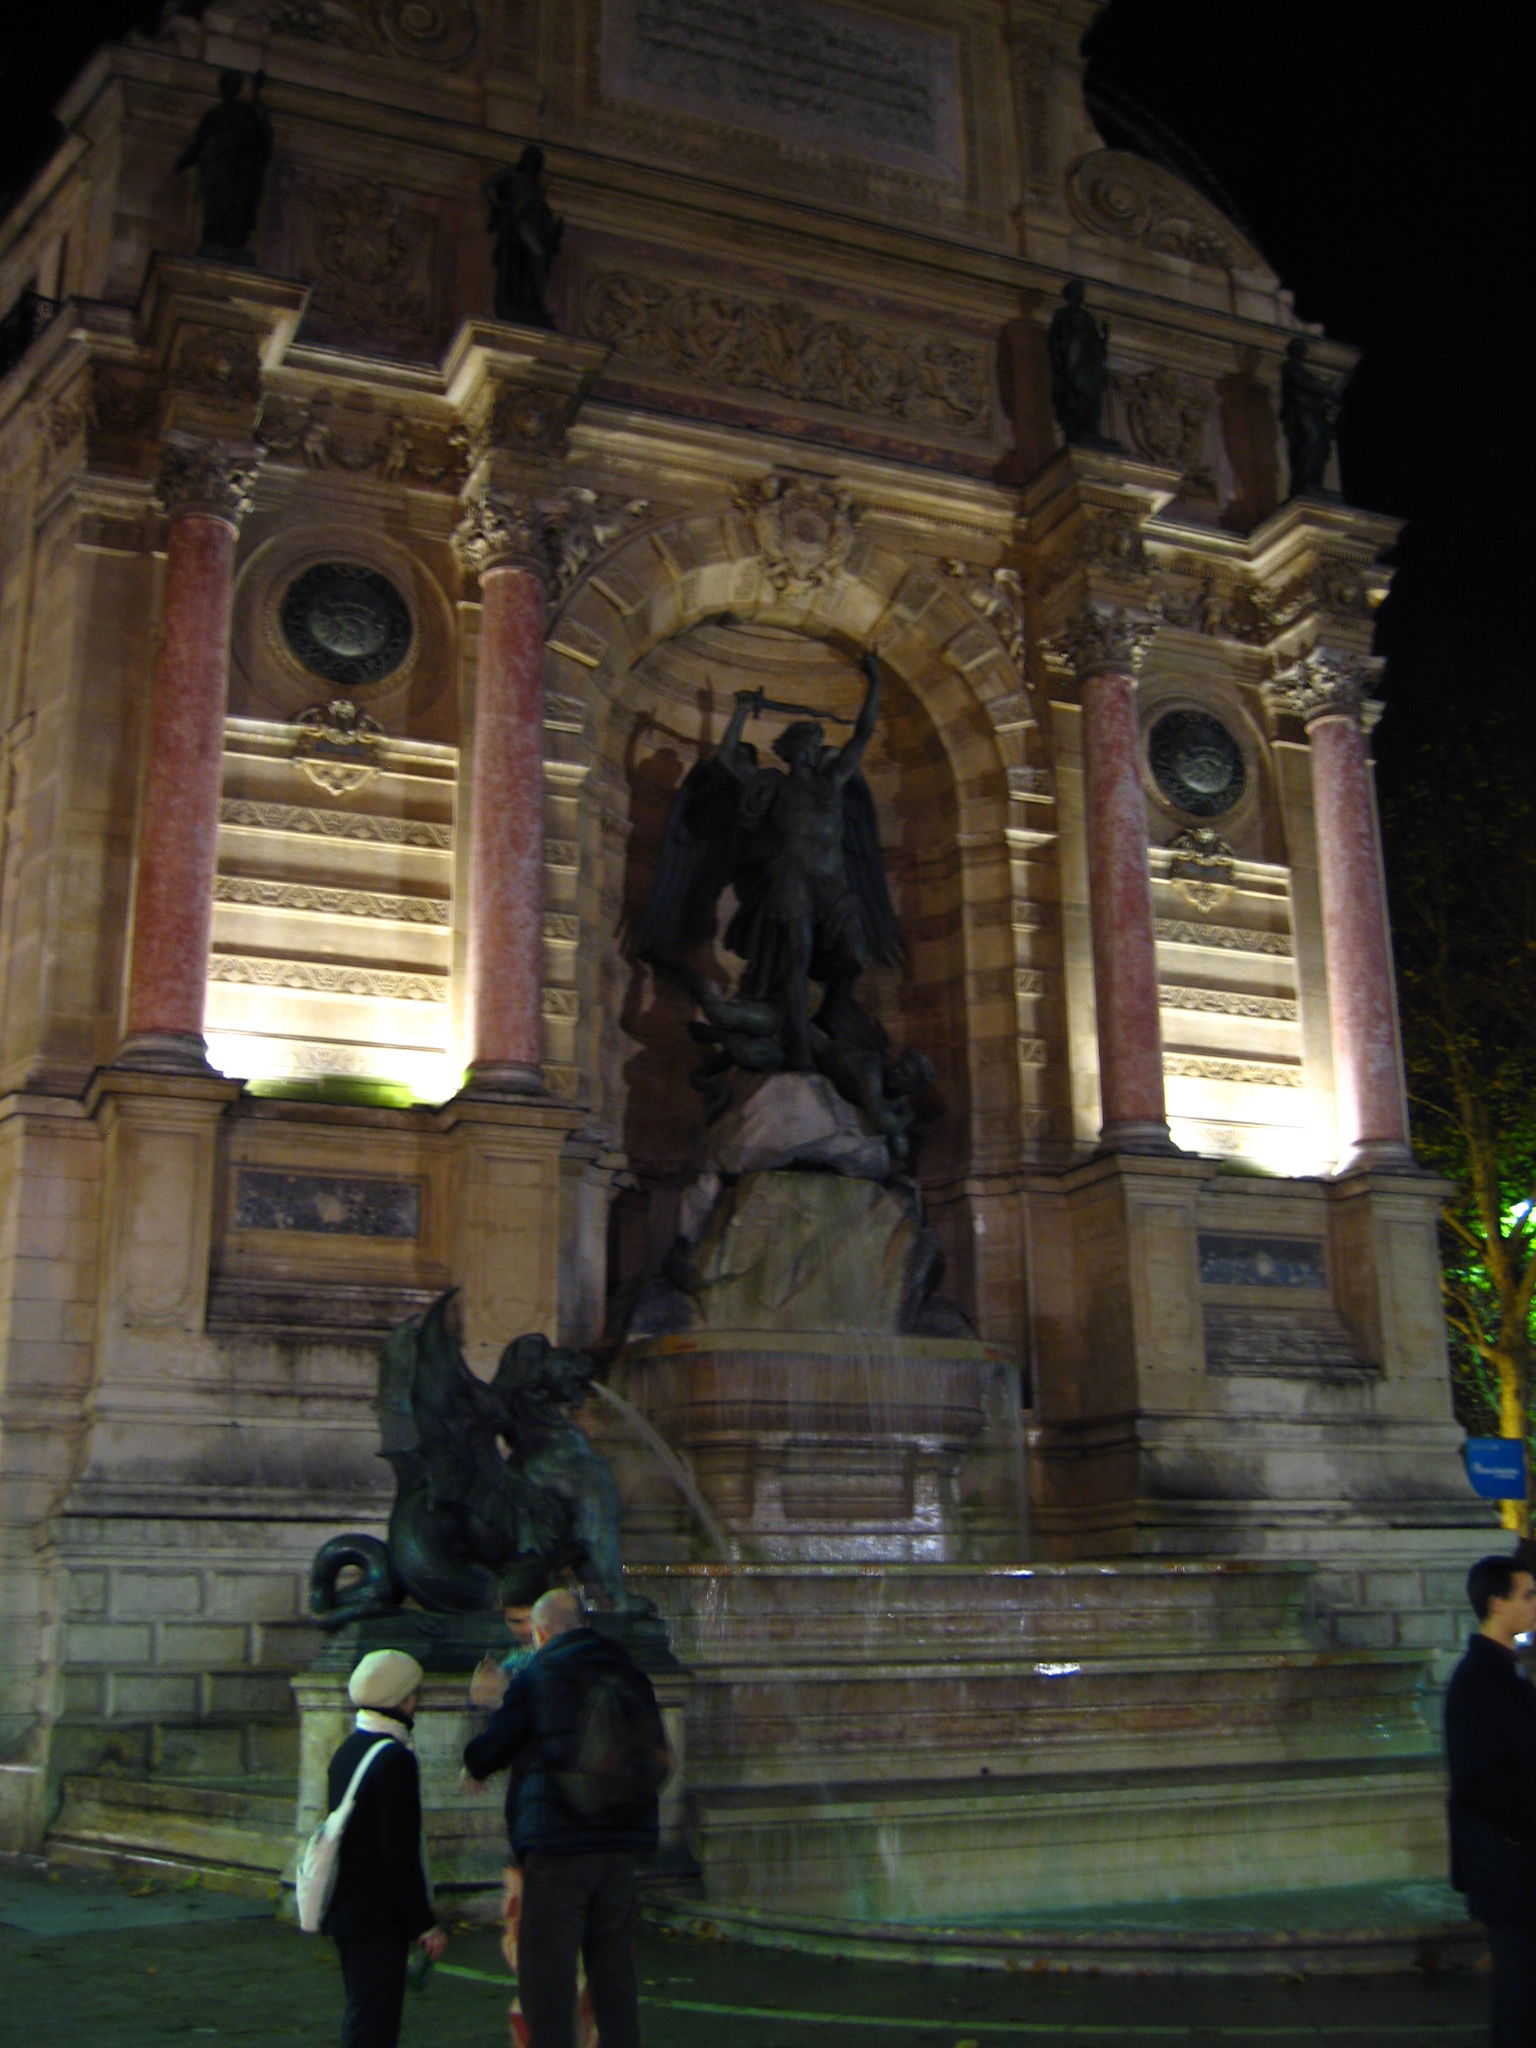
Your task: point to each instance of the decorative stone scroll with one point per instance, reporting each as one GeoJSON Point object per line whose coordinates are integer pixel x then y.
{"type": "Point", "coordinates": [207, 477]}
{"type": "Point", "coordinates": [1116, 193]}
{"type": "Point", "coordinates": [440, 33]}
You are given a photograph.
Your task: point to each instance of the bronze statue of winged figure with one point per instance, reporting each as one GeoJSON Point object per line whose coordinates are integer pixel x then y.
{"type": "Point", "coordinates": [800, 847]}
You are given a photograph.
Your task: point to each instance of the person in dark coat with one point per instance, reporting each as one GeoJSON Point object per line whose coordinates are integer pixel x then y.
{"type": "Point", "coordinates": [579, 1870]}
{"type": "Point", "coordinates": [380, 1908]}
{"type": "Point", "coordinates": [1490, 1748]}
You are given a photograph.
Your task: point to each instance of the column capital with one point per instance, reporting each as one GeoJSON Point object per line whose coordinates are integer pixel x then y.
{"type": "Point", "coordinates": [208, 477]}
{"type": "Point", "coordinates": [1104, 639]}
{"type": "Point", "coordinates": [504, 529]}
{"type": "Point", "coordinates": [1326, 682]}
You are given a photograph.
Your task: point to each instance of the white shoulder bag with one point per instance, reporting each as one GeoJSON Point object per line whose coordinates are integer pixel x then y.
{"type": "Point", "coordinates": [315, 1878]}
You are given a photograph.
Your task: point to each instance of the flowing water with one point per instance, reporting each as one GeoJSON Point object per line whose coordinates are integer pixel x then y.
{"type": "Point", "coordinates": [723, 1546]}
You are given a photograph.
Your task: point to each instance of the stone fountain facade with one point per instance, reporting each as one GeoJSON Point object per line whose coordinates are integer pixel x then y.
{"type": "Point", "coordinates": [353, 645]}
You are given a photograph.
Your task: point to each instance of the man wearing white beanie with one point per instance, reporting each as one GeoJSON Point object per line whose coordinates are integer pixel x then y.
{"type": "Point", "coordinates": [380, 1907]}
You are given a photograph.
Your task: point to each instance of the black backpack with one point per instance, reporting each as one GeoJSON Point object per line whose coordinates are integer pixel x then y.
{"type": "Point", "coordinates": [618, 1754]}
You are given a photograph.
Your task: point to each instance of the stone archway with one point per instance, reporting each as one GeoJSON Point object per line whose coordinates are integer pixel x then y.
{"type": "Point", "coordinates": [654, 641]}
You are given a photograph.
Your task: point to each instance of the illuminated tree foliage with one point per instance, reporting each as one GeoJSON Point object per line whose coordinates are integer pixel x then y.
{"type": "Point", "coordinates": [1461, 855]}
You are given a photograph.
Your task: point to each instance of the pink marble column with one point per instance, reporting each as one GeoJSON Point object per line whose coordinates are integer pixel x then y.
{"type": "Point", "coordinates": [1327, 690]}
{"type": "Point", "coordinates": [500, 539]}
{"type": "Point", "coordinates": [205, 491]}
{"type": "Point", "coordinates": [1108, 652]}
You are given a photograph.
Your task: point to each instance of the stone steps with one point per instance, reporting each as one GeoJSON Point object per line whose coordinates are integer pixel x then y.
{"type": "Point", "coordinates": [235, 1836]}
{"type": "Point", "coordinates": [927, 1853]}
{"type": "Point", "coordinates": [723, 1612]}
{"type": "Point", "coordinates": [866, 1725]}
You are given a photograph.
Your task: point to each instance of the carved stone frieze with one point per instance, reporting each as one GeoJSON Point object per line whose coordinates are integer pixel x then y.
{"type": "Point", "coordinates": [1252, 1073]}
{"type": "Point", "coordinates": [998, 595]}
{"type": "Point", "coordinates": [349, 435]}
{"type": "Point", "coordinates": [1224, 1002]}
{"type": "Point", "coordinates": [502, 529]}
{"type": "Point", "coordinates": [218, 362]}
{"type": "Point", "coordinates": [561, 1002]}
{"type": "Point", "coordinates": [804, 528]}
{"type": "Point", "coordinates": [1326, 682]}
{"type": "Point", "coordinates": [561, 928]}
{"type": "Point", "coordinates": [1031, 785]}
{"type": "Point", "coordinates": [1166, 416]}
{"type": "Point", "coordinates": [1216, 605]}
{"type": "Point", "coordinates": [1104, 639]}
{"type": "Point", "coordinates": [321, 978]}
{"type": "Point", "coordinates": [207, 477]}
{"type": "Point", "coordinates": [1228, 938]}
{"type": "Point", "coordinates": [777, 345]}
{"type": "Point", "coordinates": [372, 252]}
{"type": "Point", "coordinates": [325, 902]}
{"type": "Point", "coordinates": [125, 401]}
{"type": "Point", "coordinates": [1337, 588]}
{"type": "Point", "coordinates": [272, 817]}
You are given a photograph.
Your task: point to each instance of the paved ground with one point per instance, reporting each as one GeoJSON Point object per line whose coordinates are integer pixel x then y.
{"type": "Point", "coordinates": [86, 1962]}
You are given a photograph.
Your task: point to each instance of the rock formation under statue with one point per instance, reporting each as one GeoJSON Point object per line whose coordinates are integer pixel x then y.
{"type": "Point", "coordinates": [497, 1491]}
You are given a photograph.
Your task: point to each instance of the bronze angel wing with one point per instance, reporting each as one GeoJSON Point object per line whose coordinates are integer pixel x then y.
{"type": "Point", "coordinates": [865, 868]}
{"type": "Point", "coordinates": [698, 852]}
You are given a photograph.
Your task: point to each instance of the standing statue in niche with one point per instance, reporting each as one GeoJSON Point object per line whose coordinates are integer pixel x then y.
{"type": "Point", "coordinates": [1309, 418]}
{"type": "Point", "coordinates": [800, 848]}
{"type": "Point", "coordinates": [1078, 346]}
{"type": "Point", "coordinates": [230, 152]}
{"type": "Point", "coordinates": [527, 234]}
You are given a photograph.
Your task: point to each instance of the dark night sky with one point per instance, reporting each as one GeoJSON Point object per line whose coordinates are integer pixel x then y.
{"type": "Point", "coordinates": [1375, 151]}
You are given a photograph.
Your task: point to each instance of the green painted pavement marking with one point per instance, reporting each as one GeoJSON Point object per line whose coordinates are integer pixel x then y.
{"type": "Point", "coordinates": [1184, 2030]}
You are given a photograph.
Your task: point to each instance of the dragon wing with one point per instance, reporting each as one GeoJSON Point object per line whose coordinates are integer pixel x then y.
{"type": "Point", "coordinates": [694, 865]}
{"type": "Point", "coordinates": [422, 1382]}
{"type": "Point", "coordinates": [865, 868]}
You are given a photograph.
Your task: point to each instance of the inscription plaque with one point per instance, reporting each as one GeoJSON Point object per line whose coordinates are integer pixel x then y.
{"type": "Point", "coordinates": [333, 1204]}
{"type": "Point", "coordinates": [1232, 1261]}
{"type": "Point", "coordinates": [804, 70]}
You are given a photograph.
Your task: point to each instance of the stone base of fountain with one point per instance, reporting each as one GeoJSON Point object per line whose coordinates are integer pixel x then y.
{"type": "Point", "coordinates": [945, 1750]}
{"type": "Point", "coordinates": [837, 1446]}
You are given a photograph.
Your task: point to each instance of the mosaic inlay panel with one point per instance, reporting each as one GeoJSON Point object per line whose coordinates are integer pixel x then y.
{"type": "Point", "coordinates": [331, 1204]}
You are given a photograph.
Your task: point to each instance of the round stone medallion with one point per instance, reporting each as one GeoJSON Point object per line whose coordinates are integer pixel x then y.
{"type": "Point", "coordinates": [346, 623]}
{"type": "Point", "coordinates": [1197, 763]}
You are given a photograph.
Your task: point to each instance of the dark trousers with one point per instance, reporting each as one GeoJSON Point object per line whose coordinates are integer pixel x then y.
{"type": "Point", "coordinates": [1514, 1986]}
{"type": "Point", "coordinates": [578, 1905]}
{"type": "Point", "coordinates": [373, 1973]}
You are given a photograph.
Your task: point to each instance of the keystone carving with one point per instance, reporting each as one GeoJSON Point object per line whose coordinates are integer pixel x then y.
{"type": "Point", "coordinates": [804, 529]}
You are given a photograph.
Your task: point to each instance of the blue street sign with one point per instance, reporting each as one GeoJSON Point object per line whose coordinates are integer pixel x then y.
{"type": "Point", "coordinates": [1496, 1467]}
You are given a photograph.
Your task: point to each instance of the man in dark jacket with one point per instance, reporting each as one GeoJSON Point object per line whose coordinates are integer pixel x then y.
{"type": "Point", "coordinates": [380, 1906]}
{"type": "Point", "coordinates": [578, 1857]}
{"type": "Point", "coordinates": [1490, 1747]}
